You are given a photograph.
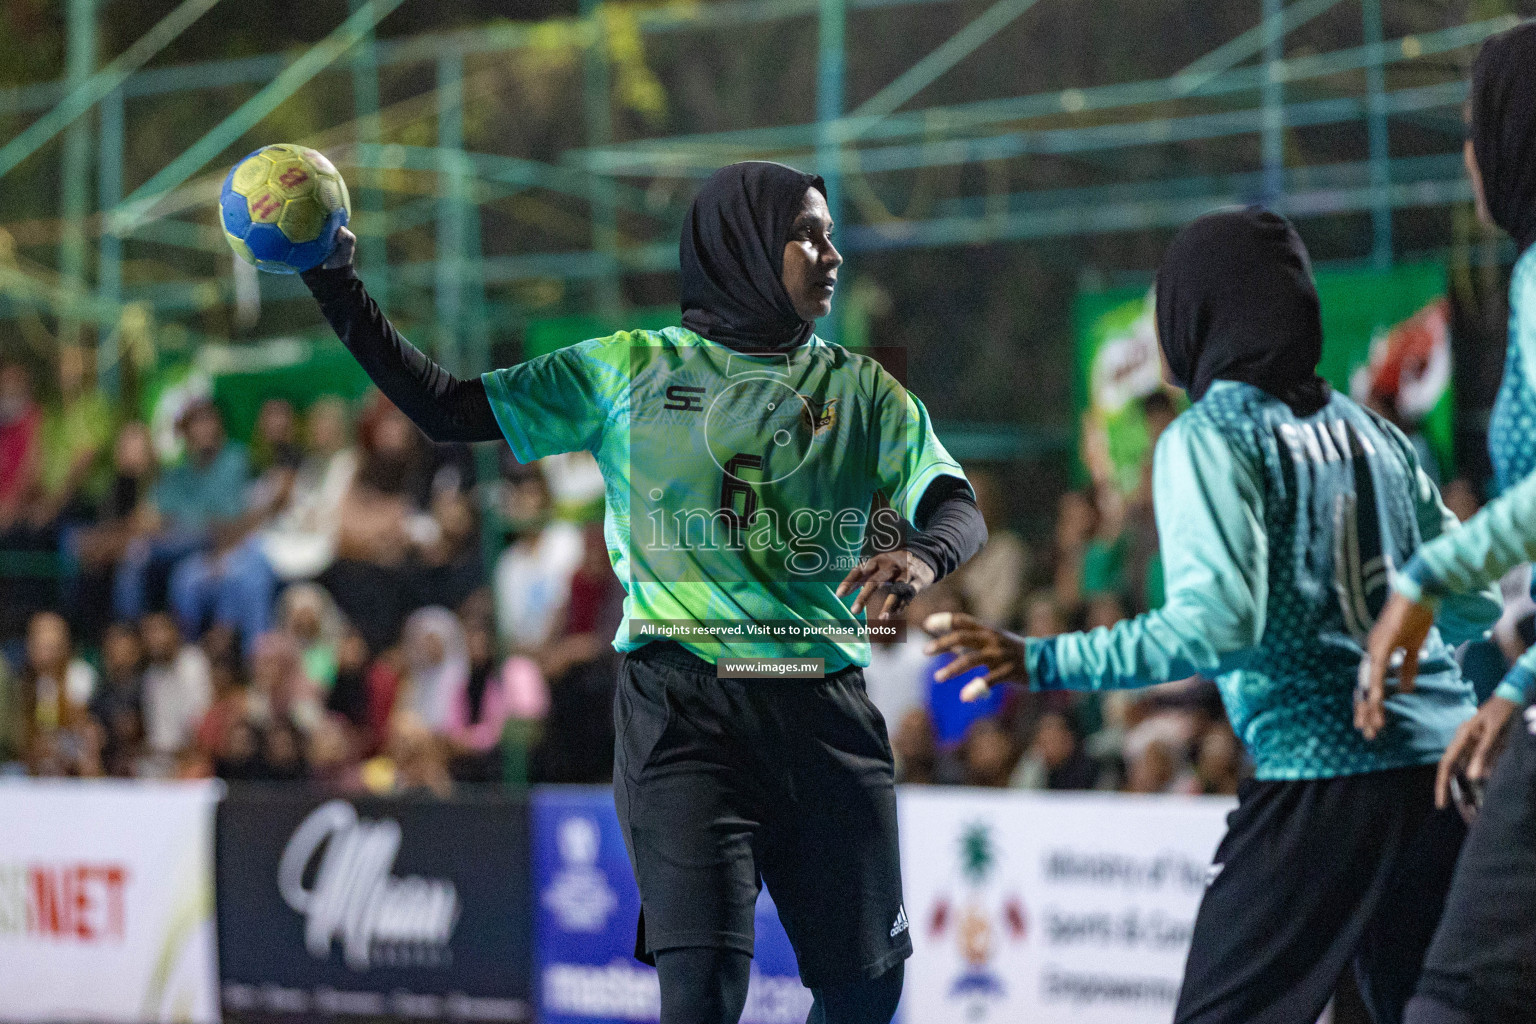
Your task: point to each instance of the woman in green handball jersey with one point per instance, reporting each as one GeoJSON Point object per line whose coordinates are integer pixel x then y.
{"type": "Point", "coordinates": [741, 455]}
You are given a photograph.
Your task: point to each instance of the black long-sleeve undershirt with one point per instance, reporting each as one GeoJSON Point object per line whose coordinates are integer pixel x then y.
{"type": "Point", "coordinates": [950, 527]}
{"type": "Point", "coordinates": [443, 406]}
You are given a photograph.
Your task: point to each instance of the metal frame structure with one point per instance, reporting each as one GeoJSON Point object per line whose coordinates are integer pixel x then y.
{"type": "Point", "coordinates": [1270, 92]}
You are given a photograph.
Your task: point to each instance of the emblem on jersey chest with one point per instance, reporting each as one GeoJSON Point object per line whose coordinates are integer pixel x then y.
{"type": "Point", "coordinates": [818, 417]}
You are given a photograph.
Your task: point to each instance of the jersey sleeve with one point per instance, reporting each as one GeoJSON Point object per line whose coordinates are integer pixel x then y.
{"type": "Point", "coordinates": [1479, 553]}
{"type": "Point", "coordinates": [909, 455]}
{"type": "Point", "coordinates": [1210, 523]}
{"type": "Point", "coordinates": [559, 402]}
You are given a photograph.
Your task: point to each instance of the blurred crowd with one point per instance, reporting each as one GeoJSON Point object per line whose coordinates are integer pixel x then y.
{"type": "Point", "coordinates": [341, 601]}
{"type": "Point", "coordinates": [336, 600]}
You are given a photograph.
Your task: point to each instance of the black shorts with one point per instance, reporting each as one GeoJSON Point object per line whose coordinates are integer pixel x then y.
{"type": "Point", "coordinates": [1483, 959]}
{"type": "Point", "coordinates": [1311, 877]}
{"type": "Point", "coordinates": [725, 784]}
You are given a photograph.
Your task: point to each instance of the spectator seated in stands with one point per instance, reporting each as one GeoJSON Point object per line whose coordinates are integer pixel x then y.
{"type": "Point", "coordinates": [76, 436]}
{"type": "Point", "coordinates": [198, 505]}
{"type": "Point", "coordinates": [1055, 758]}
{"type": "Point", "coordinates": [381, 528]}
{"type": "Point", "coordinates": [56, 691]}
{"type": "Point", "coordinates": [992, 582]}
{"type": "Point", "coordinates": [118, 703]}
{"type": "Point", "coordinates": [582, 668]}
{"type": "Point", "coordinates": [230, 581]}
{"type": "Point", "coordinates": [987, 754]}
{"type": "Point", "coordinates": [177, 687]}
{"type": "Point", "coordinates": [532, 580]}
{"type": "Point", "coordinates": [300, 542]}
{"type": "Point", "coordinates": [281, 695]}
{"type": "Point", "coordinates": [309, 617]}
{"type": "Point", "coordinates": [92, 551]}
{"type": "Point", "coordinates": [497, 694]}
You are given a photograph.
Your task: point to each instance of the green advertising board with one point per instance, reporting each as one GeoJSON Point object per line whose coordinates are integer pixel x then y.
{"type": "Point", "coordinates": [1386, 343]}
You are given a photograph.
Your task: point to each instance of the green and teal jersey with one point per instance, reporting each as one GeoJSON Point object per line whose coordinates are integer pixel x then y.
{"type": "Point", "coordinates": [739, 487]}
{"type": "Point", "coordinates": [1279, 535]}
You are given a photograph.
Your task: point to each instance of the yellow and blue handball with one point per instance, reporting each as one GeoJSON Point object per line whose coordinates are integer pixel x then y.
{"type": "Point", "coordinates": [282, 206]}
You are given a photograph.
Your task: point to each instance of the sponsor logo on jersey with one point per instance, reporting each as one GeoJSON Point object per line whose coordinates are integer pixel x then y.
{"type": "Point", "coordinates": [683, 398]}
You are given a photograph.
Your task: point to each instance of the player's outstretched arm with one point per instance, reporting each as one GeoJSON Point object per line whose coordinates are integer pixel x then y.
{"type": "Point", "coordinates": [443, 406]}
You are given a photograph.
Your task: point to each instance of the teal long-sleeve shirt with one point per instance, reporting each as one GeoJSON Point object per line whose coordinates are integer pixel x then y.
{"type": "Point", "coordinates": [1279, 535]}
{"type": "Point", "coordinates": [1490, 544]}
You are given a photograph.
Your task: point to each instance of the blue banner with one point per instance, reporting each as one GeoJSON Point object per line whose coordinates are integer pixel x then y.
{"type": "Point", "coordinates": [586, 906]}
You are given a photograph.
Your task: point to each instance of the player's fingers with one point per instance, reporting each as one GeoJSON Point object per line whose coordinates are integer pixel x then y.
{"type": "Point", "coordinates": [962, 664]}
{"type": "Point", "coordinates": [1409, 671]}
{"type": "Point", "coordinates": [956, 638]}
{"type": "Point", "coordinates": [894, 600]}
{"type": "Point", "coordinates": [939, 623]}
{"type": "Point", "coordinates": [1004, 672]}
{"type": "Point", "coordinates": [1369, 714]}
{"type": "Point", "coordinates": [858, 574]}
{"type": "Point", "coordinates": [974, 690]}
{"type": "Point", "coordinates": [865, 593]}
{"type": "Point", "coordinates": [879, 574]}
{"type": "Point", "coordinates": [1483, 755]}
{"type": "Point", "coordinates": [1451, 760]}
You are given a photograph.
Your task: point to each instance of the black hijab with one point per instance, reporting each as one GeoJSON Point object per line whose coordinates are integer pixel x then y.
{"type": "Point", "coordinates": [732, 253]}
{"type": "Point", "coordinates": [1235, 301]}
{"type": "Point", "coordinates": [1504, 129]}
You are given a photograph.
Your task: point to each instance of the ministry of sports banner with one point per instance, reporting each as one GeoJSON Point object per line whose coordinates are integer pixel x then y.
{"type": "Point", "coordinates": [587, 905]}
{"type": "Point", "coordinates": [1385, 334]}
{"type": "Point", "coordinates": [1051, 908]}
{"type": "Point", "coordinates": [378, 908]}
{"type": "Point", "coordinates": [106, 901]}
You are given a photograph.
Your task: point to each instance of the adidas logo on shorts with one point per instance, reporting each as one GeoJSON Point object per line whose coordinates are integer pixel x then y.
{"type": "Point", "coordinates": [900, 924]}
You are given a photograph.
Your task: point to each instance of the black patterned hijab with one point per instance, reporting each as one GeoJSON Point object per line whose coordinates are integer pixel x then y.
{"type": "Point", "coordinates": [1235, 301]}
{"type": "Point", "coordinates": [732, 253]}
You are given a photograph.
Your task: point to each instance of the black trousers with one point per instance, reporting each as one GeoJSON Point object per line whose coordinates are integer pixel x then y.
{"type": "Point", "coordinates": [722, 785]}
{"type": "Point", "coordinates": [1483, 959]}
{"type": "Point", "coordinates": [1314, 876]}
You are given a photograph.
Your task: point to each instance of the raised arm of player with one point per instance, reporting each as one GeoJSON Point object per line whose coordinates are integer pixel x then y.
{"type": "Point", "coordinates": [1210, 521]}
{"type": "Point", "coordinates": [443, 406]}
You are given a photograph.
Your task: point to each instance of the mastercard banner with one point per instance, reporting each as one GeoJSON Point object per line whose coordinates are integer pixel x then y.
{"type": "Point", "coordinates": [106, 901]}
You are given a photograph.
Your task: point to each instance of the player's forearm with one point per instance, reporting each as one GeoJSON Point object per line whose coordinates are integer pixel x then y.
{"type": "Point", "coordinates": [1519, 684]}
{"type": "Point", "coordinates": [1158, 647]}
{"type": "Point", "coordinates": [1500, 537]}
{"type": "Point", "coordinates": [444, 407]}
{"type": "Point", "coordinates": [951, 527]}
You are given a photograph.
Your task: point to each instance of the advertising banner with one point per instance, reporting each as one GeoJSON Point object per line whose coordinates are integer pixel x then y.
{"type": "Point", "coordinates": [1049, 908]}
{"type": "Point", "coordinates": [399, 908]}
{"type": "Point", "coordinates": [1386, 343]}
{"type": "Point", "coordinates": [106, 901]}
{"type": "Point", "coordinates": [587, 906]}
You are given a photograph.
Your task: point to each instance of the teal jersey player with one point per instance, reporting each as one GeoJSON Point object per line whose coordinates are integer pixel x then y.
{"type": "Point", "coordinates": [1283, 512]}
{"type": "Point", "coordinates": [738, 485]}
{"type": "Point", "coordinates": [1278, 535]}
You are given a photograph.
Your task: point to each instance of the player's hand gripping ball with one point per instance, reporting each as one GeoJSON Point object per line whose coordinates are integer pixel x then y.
{"type": "Point", "coordinates": [282, 206]}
